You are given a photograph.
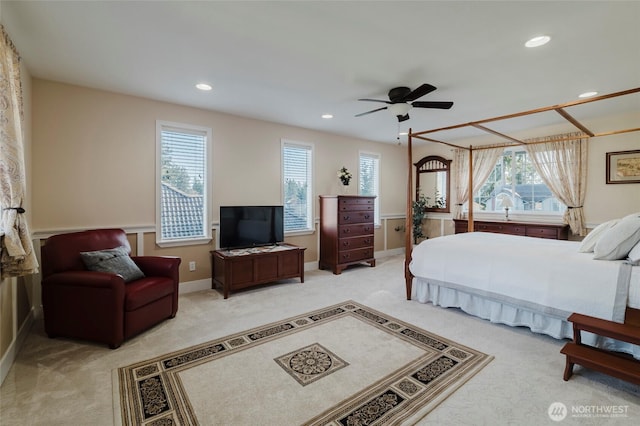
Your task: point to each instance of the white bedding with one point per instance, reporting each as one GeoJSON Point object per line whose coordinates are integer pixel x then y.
{"type": "Point", "coordinates": [545, 276]}
{"type": "Point", "coordinates": [524, 281]}
{"type": "Point", "coordinates": [634, 289]}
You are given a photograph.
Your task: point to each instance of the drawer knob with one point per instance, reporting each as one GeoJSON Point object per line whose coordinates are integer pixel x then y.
{"type": "Point", "coordinates": [345, 217]}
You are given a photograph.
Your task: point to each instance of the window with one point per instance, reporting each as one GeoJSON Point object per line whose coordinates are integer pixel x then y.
{"type": "Point", "coordinates": [297, 163]}
{"type": "Point", "coordinates": [183, 186]}
{"type": "Point", "coordinates": [515, 178]}
{"type": "Point", "coordinates": [369, 174]}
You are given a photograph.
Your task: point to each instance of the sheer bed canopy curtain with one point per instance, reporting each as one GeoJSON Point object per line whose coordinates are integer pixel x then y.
{"type": "Point", "coordinates": [484, 160]}
{"type": "Point", "coordinates": [17, 258]}
{"type": "Point", "coordinates": [561, 162]}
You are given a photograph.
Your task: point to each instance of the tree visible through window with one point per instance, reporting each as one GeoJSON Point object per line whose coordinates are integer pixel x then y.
{"type": "Point", "coordinates": [369, 175]}
{"type": "Point", "coordinates": [183, 212]}
{"type": "Point", "coordinates": [297, 193]}
{"type": "Point", "coordinates": [515, 177]}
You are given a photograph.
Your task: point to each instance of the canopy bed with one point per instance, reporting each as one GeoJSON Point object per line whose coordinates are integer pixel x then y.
{"type": "Point", "coordinates": [501, 278]}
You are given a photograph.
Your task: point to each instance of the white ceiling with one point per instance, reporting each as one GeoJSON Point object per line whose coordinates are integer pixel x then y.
{"type": "Point", "coordinates": [290, 62]}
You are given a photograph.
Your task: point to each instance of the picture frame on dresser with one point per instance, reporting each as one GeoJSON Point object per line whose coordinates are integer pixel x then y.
{"type": "Point", "coordinates": [623, 167]}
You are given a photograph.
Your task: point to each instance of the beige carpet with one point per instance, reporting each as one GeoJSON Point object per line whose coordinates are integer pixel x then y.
{"type": "Point", "coordinates": [346, 364]}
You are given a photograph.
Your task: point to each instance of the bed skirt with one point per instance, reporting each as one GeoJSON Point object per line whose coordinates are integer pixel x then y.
{"type": "Point", "coordinates": [511, 315]}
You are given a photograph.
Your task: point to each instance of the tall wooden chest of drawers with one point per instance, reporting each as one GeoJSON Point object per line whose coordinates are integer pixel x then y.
{"type": "Point", "coordinates": [346, 231]}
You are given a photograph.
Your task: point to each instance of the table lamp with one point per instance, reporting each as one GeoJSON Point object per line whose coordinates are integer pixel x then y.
{"type": "Point", "coordinates": [506, 203]}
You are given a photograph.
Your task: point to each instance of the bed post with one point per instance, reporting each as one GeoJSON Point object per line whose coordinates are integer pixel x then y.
{"type": "Point", "coordinates": [470, 215]}
{"type": "Point", "coordinates": [408, 233]}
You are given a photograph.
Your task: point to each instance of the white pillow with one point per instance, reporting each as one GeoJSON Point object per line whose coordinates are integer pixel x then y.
{"type": "Point", "coordinates": [634, 255]}
{"type": "Point", "coordinates": [589, 242]}
{"type": "Point", "coordinates": [632, 215]}
{"type": "Point", "coordinates": [617, 241]}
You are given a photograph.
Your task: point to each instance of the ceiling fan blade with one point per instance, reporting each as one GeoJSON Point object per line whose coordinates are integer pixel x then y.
{"type": "Point", "coordinates": [369, 112]}
{"type": "Point", "coordinates": [375, 100]}
{"type": "Point", "coordinates": [402, 118]}
{"type": "Point", "coordinates": [419, 92]}
{"type": "Point", "coordinates": [432, 104]}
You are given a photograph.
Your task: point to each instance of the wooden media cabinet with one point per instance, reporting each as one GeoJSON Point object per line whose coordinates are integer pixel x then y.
{"type": "Point", "coordinates": [242, 268]}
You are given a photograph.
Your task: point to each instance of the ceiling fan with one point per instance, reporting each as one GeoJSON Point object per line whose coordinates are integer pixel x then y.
{"type": "Point", "coordinates": [402, 99]}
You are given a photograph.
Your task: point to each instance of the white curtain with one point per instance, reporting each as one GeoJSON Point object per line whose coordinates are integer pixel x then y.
{"type": "Point", "coordinates": [562, 164]}
{"type": "Point", "coordinates": [17, 257]}
{"type": "Point", "coordinates": [484, 161]}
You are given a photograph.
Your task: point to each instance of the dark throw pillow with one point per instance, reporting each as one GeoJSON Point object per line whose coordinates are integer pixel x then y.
{"type": "Point", "coordinates": [115, 261]}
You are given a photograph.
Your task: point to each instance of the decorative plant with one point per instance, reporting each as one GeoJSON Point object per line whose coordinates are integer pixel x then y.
{"type": "Point", "coordinates": [419, 214]}
{"type": "Point", "coordinates": [438, 202]}
{"type": "Point", "coordinates": [345, 176]}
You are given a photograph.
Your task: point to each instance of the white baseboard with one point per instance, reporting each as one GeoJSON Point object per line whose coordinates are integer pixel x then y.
{"type": "Point", "coordinates": [197, 285]}
{"type": "Point", "coordinates": [391, 252]}
{"type": "Point", "coordinates": [10, 355]}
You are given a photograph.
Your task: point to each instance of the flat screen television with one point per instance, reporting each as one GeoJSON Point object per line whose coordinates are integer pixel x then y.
{"type": "Point", "coordinates": [251, 226]}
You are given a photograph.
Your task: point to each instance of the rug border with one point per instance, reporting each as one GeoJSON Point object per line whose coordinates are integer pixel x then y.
{"type": "Point", "coordinates": [412, 414]}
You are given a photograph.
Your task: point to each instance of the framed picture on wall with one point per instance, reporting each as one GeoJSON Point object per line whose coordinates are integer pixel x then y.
{"type": "Point", "coordinates": [623, 167]}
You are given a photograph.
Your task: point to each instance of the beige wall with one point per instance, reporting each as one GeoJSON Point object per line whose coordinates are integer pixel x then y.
{"type": "Point", "coordinates": [94, 165]}
{"type": "Point", "coordinates": [604, 202]}
{"type": "Point", "coordinates": [6, 315]}
{"type": "Point", "coordinates": [395, 233]}
{"type": "Point", "coordinates": [94, 158]}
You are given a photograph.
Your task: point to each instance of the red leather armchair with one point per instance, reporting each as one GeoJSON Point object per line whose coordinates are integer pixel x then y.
{"type": "Point", "coordinates": [100, 306]}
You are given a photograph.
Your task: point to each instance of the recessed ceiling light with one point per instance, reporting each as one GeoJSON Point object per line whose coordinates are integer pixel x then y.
{"type": "Point", "coordinates": [587, 94]}
{"type": "Point", "coordinates": [327, 116]}
{"type": "Point", "coordinates": [403, 133]}
{"type": "Point", "coordinates": [538, 41]}
{"type": "Point", "coordinates": [204, 86]}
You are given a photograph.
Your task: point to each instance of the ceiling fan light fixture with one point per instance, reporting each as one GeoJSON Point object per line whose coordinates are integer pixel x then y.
{"type": "Point", "coordinates": [538, 41]}
{"type": "Point", "coordinates": [399, 109]}
{"type": "Point", "coordinates": [402, 99]}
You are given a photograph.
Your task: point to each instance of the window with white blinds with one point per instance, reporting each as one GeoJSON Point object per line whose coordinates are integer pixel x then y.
{"type": "Point", "coordinates": [369, 175]}
{"type": "Point", "coordinates": [183, 184]}
{"type": "Point", "coordinates": [297, 161]}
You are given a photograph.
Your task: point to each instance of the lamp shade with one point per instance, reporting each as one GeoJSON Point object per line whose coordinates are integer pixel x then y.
{"type": "Point", "coordinates": [507, 202]}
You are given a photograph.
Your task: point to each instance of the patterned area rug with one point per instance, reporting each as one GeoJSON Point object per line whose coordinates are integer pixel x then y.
{"type": "Point", "coordinates": [346, 364]}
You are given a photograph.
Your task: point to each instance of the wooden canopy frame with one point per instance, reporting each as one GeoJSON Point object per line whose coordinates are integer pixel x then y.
{"type": "Point", "coordinates": [510, 141]}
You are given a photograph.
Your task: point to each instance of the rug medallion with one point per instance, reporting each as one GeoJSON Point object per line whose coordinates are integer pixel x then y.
{"type": "Point", "coordinates": [346, 364]}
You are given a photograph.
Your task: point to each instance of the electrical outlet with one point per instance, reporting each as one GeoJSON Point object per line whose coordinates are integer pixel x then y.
{"type": "Point", "coordinates": [192, 265]}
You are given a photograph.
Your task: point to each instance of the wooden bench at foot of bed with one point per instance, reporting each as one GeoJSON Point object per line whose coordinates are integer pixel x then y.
{"type": "Point", "coordinates": [614, 364]}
